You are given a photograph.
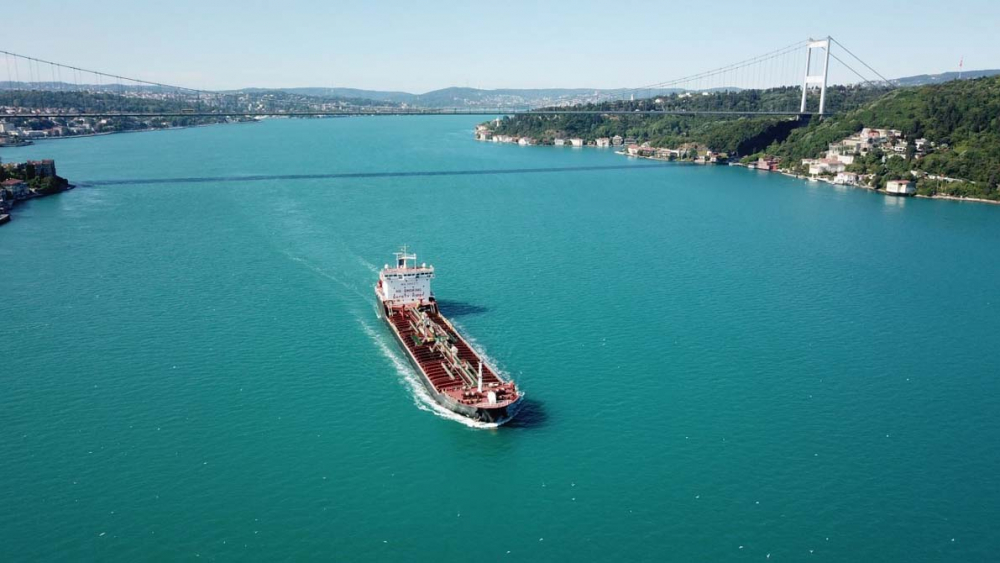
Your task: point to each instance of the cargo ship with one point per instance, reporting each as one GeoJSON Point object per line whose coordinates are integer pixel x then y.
{"type": "Point", "coordinates": [455, 375]}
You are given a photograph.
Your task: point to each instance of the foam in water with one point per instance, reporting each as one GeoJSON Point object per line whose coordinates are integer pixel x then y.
{"type": "Point", "coordinates": [421, 398]}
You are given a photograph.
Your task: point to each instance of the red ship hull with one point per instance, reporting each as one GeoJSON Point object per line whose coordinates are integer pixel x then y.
{"type": "Point", "coordinates": [449, 368]}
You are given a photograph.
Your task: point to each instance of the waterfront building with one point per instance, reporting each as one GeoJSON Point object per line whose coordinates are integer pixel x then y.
{"type": "Point", "coordinates": [559, 142]}
{"type": "Point", "coordinates": [846, 178]}
{"type": "Point", "coordinates": [18, 189]}
{"type": "Point", "coordinates": [900, 187]}
{"type": "Point", "coordinates": [576, 142]}
{"type": "Point", "coordinates": [604, 142]}
{"type": "Point", "coordinates": [617, 141]}
{"type": "Point", "coordinates": [769, 163]}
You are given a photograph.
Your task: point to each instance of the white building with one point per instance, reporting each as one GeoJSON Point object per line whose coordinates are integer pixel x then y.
{"type": "Point", "coordinates": [559, 142]}
{"type": "Point", "coordinates": [576, 142]}
{"type": "Point", "coordinates": [900, 187]}
{"type": "Point", "coordinates": [824, 166]}
{"type": "Point", "coordinates": [604, 142]}
{"type": "Point", "coordinates": [846, 178]}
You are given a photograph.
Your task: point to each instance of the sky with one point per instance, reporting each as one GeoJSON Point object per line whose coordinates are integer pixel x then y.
{"type": "Point", "coordinates": [422, 46]}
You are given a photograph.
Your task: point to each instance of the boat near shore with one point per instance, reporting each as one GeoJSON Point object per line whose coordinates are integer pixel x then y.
{"type": "Point", "coordinates": [455, 375]}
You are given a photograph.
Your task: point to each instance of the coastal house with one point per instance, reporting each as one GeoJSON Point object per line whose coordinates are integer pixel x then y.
{"type": "Point", "coordinates": [617, 141]}
{"type": "Point", "coordinates": [846, 178]}
{"type": "Point", "coordinates": [769, 163]}
{"type": "Point", "coordinates": [603, 142]}
{"type": "Point", "coordinates": [18, 189]}
{"type": "Point", "coordinates": [639, 150]}
{"type": "Point", "coordinates": [712, 157]}
{"type": "Point", "coordinates": [900, 187]}
{"type": "Point", "coordinates": [576, 142]}
{"type": "Point", "coordinates": [823, 166]}
{"type": "Point", "coordinates": [483, 135]}
{"type": "Point", "coordinates": [559, 142]}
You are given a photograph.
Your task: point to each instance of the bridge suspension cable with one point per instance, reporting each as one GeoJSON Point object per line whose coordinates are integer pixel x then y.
{"type": "Point", "coordinates": [33, 92]}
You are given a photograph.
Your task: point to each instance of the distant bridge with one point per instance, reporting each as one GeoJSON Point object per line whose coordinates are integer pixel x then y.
{"type": "Point", "coordinates": [389, 111]}
{"type": "Point", "coordinates": [43, 84]}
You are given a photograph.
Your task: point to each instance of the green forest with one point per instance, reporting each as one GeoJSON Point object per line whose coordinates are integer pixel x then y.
{"type": "Point", "coordinates": [960, 118]}
{"type": "Point", "coordinates": [736, 135]}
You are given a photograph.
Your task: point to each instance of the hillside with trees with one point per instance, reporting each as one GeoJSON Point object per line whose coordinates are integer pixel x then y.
{"type": "Point", "coordinates": [960, 121]}
{"type": "Point", "coordinates": [735, 134]}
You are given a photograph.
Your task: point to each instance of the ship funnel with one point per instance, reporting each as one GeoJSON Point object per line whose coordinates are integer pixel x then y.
{"type": "Point", "coordinates": [480, 386]}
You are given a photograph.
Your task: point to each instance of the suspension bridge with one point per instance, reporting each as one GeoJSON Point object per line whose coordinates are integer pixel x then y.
{"type": "Point", "coordinates": [802, 72]}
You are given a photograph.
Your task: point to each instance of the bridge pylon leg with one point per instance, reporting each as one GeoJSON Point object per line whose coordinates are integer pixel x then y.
{"type": "Point", "coordinates": [817, 79]}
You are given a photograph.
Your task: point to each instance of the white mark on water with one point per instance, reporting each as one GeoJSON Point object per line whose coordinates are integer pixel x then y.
{"type": "Point", "coordinates": [421, 398]}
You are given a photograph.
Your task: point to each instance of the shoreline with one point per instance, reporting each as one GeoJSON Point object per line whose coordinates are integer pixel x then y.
{"type": "Point", "coordinates": [827, 181]}
{"type": "Point", "coordinates": [151, 130]}
{"type": "Point", "coordinates": [8, 216]}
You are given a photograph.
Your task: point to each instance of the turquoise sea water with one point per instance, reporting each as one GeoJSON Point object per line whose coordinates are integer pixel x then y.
{"type": "Point", "coordinates": [721, 365]}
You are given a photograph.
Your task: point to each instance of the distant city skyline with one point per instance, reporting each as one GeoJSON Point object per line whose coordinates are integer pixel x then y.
{"type": "Point", "coordinates": [396, 46]}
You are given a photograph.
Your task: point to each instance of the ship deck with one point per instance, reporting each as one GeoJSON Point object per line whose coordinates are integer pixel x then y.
{"type": "Point", "coordinates": [432, 363]}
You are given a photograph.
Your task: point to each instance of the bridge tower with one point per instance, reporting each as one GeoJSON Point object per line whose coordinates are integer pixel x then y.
{"type": "Point", "coordinates": [819, 79]}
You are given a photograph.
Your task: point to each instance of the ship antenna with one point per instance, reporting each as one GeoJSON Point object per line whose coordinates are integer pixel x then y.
{"type": "Point", "coordinates": [480, 376]}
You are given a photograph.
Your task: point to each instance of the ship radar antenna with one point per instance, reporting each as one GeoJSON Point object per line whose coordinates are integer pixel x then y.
{"type": "Point", "coordinates": [404, 256]}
